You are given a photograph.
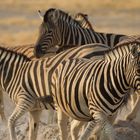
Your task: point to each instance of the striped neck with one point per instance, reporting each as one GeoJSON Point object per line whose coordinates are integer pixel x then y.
{"type": "Point", "coordinates": [125, 62]}
{"type": "Point", "coordinates": [73, 34]}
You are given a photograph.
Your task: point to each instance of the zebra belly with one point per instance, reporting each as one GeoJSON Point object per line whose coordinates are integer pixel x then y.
{"type": "Point", "coordinates": [72, 103]}
{"type": "Point", "coordinates": [71, 110]}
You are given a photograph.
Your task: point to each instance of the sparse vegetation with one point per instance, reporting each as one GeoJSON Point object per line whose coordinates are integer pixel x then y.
{"type": "Point", "coordinates": [19, 20]}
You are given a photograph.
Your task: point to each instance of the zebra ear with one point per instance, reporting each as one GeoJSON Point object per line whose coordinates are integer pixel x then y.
{"type": "Point", "coordinates": [55, 15]}
{"type": "Point", "coordinates": [40, 14]}
{"type": "Point", "coordinates": [135, 50]}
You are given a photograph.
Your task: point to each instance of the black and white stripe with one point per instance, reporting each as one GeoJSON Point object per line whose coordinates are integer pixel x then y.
{"type": "Point", "coordinates": [27, 50]}
{"type": "Point", "coordinates": [89, 90]}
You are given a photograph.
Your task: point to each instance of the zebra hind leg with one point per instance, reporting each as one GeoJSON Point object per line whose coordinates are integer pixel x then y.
{"type": "Point", "coordinates": [19, 111]}
{"type": "Point", "coordinates": [104, 126]}
{"type": "Point", "coordinates": [34, 123]}
{"type": "Point", "coordinates": [135, 99]}
{"type": "Point", "coordinates": [62, 124]}
{"type": "Point", "coordinates": [75, 127]}
{"type": "Point", "coordinates": [3, 116]}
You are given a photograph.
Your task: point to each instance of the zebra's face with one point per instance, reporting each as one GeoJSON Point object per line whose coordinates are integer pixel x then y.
{"type": "Point", "coordinates": [48, 36]}
{"type": "Point", "coordinates": [135, 62]}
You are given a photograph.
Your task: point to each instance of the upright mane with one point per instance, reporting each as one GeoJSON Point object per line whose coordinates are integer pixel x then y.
{"type": "Point", "coordinates": [83, 20]}
{"type": "Point", "coordinates": [63, 16]}
{"type": "Point", "coordinates": [129, 42]}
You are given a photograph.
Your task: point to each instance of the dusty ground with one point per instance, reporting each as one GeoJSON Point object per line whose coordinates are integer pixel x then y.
{"type": "Point", "coordinates": [19, 24]}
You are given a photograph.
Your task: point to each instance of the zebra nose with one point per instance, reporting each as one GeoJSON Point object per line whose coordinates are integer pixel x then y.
{"type": "Point", "coordinates": [37, 51]}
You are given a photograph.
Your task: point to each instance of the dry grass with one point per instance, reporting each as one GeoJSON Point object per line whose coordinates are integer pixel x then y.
{"type": "Point", "coordinates": [19, 22]}
{"type": "Point", "coordinates": [74, 4]}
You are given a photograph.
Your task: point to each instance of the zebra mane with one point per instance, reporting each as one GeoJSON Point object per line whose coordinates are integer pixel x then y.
{"type": "Point", "coordinates": [63, 16]}
{"type": "Point", "coordinates": [129, 40]}
{"type": "Point", "coordinates": [133, 40]}
{"type": "Point", "coordinates": [9, 50]}
{"type": "Point", "coordinates": [83, 20]}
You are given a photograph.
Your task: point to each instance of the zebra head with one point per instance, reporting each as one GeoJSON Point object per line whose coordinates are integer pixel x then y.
{"type": "Point", "coordinates": [133, 68]}
{"type": "Point", "coordinates": [48, 33]}
{"type": "Point", "coordinates": [56, 29]}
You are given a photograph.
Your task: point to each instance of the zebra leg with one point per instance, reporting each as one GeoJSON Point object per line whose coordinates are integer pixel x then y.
{"type": "Point", "coordinates": [88, 130]}
{"type": "Point", "coordinates": [99, 127]}
{"type": "Point", "coordinates": [3, 117]}
{"type": "Point", "coordinates": [34, 123]}
{"type": "Point", "coordinates": [19, 110]}
{"type": "Point", "coordinates": [62, 124]}
{"type": "Point", "coordinates": [51, 117]}
{"type": "Point", "coordinates": [136, 104]}
{"type": "Point", "coordinates": [103, 126]}
{"type": "Point", "coordinates": [75, 127]}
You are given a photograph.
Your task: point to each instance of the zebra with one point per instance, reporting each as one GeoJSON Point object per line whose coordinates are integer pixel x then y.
{"type": "Point", "coordinates": [28, 51]}
{"type": "Point", "coordinates": [24, 82]}
{"type": "Point", "coordinates": [59, 28]}
{"type": "Point", "coordinates": [135, 99]}
{"type": "Point", "coordinates": [51, 36]}
{"type": "Point", "coordinates": [93, 90]}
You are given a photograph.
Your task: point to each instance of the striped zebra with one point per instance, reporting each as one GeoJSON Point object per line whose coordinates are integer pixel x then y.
{"type": "Point", "coordinates": [25, 81]}
{"type": "Point", "coordinates": [52, 36]}
{"type": "Point", "coordinates": [59, 28]}
{"type": "Point", "coordinates": [26, 50]}
{"type": "Point", "coordinates": [135, 98]}
{"type": "Point", "coordinates": [89, 90]}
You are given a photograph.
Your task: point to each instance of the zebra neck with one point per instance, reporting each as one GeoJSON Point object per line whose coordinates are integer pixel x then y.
{"type": "Point", "coordinates": [71, 35]}
{"type": "Point", "coordinates": [118, 72]}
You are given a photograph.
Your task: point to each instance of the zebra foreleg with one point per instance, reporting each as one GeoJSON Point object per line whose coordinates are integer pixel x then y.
{"type": "Point", "coordinates": [62, 124]}
{"type": "Point", "coordinates": [34, 123]}
{"type": "Point", "coordinates": [3, 117]}
{"type": "Point", "coordinates": [100, 128]}
{"type": "Point", "coordinates": [75, 127]}
{"type": "Point", "coordinates": [136, 104]}
{"type": "Point", "coordinates": [51, 117]}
